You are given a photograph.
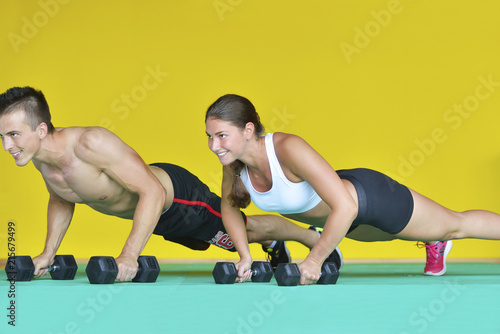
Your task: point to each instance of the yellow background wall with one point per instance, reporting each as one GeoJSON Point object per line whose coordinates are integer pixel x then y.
{"type": "Point", "coordinates": [411, 88]}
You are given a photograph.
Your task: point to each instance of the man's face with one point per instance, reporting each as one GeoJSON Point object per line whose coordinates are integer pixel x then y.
{"type": "Point", "coordinates": [18, 138]}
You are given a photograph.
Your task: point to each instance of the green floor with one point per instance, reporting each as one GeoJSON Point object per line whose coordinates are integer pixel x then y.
{"type": "Point", "coordinates": [368, 298]}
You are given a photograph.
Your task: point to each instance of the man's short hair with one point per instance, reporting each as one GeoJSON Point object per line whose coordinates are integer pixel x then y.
{"type": "Point", "coordinates": [31, 101]}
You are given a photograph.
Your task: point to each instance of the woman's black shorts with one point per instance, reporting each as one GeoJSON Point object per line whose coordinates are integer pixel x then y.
{"type": "Point", "coordinates": [383, 202]}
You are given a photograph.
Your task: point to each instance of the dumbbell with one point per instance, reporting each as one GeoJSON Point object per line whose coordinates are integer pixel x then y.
{"type": "Point", "coordinates": [21, 268]}
{"type": "Point", "coordinates": [103, 270]}
{"type": "Point", "coordinates": [226, 273]}
{"type": "Point", "coordinates": [288, 274]}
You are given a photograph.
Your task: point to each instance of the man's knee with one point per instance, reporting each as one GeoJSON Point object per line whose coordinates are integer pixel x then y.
{"type": "Point", "coordinates": [257, 228]}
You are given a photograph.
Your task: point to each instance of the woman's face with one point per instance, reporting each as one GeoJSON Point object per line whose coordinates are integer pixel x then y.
{"type": "Point", "coordinates": [226, 140]}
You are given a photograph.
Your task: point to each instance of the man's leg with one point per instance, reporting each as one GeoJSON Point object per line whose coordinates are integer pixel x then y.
{"type": "Point", "coordinates": [266, 228]}
{"type": "Point", "coordinates": [273, 231]}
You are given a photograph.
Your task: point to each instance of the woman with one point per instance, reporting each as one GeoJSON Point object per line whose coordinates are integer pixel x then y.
{"type": "Point", "coordinates": [282, 173]}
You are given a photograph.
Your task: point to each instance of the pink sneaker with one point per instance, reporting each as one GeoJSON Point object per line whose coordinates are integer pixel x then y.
{"type": "Point", "coordinates": [436, 258]}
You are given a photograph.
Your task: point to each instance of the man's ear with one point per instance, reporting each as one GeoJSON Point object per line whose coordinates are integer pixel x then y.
{"type": "Point", "coordinates": [42, 130]}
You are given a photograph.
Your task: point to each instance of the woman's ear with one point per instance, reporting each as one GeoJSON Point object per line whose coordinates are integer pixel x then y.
{"type": "Point", "coordinates": [249, 130]}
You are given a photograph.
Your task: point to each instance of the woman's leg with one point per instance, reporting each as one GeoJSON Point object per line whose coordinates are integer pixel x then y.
{"type": "Point", "coordinates": [368, 233]}
{"type": "Point", "coordinates": [432, 221]}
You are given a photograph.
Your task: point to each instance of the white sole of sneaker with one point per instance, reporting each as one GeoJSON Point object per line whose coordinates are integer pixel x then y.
{"type": "Point", "coordinates": [287, 251]}
{"type": "Point", "coordinates": [341, 258]}
{"type": "Point", "coordinates": [447, 250]}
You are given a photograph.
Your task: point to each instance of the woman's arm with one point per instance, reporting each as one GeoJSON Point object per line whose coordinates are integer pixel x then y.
{"type": "Point", "coordinates": [298, 158]}
{"type": "Point", "coordinates": [235, 226]}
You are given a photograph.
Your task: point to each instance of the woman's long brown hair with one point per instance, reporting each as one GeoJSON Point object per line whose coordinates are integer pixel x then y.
{"type": "Point", "coordinates": [238, 111]}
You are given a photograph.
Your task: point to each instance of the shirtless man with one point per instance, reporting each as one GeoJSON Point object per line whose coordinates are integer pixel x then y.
{"type": "Point", "coordinates": [92, 166]}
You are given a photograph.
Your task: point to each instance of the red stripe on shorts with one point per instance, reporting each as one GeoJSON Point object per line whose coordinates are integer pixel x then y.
{"type": "Point", "coordinates": [209, 208]}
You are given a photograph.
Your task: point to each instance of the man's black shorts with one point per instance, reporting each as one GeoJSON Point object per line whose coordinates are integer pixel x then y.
{"type": "Point", "coordinates": [194, 218]}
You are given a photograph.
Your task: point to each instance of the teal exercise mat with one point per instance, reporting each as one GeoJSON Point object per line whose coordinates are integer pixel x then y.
{"type": "Point", "coordinates": [368, 298]}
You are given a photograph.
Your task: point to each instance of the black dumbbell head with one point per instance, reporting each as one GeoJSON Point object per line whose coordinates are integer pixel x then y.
{"type": "Point", "coordinates": [148, 271]}
{"type": "Point", "coordinates": [225, 273]}
{"type": "Point", "coordinates": [101, 270]}
{"type": "Point", "coordinates": [329, 273]}
{"type": "Point", "coordinates": [287, 274]}
{"type": "Point", "coordinates": [65, 267]}
{"type": "Point", "coordinates": [19, 268]}
{"type": "Point", "coordinates": [263, 271]}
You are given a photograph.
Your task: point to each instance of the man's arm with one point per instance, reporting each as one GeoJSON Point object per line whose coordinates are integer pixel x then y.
{"type": "Point", "coordinates": [106, 151]}
{"type": "Point", "coordinates": [59, 215]}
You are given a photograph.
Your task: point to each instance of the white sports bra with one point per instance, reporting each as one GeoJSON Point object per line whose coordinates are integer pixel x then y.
{"type": "Point", "coordinates": [284, 197]}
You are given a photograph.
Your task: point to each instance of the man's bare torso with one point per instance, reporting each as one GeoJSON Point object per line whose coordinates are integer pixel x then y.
{"type": "Point", "coordinates": [77, 181]}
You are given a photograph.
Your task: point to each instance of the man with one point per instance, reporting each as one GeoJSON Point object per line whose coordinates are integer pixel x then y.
{"type": "Point", "coordinates": [92, 166]}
